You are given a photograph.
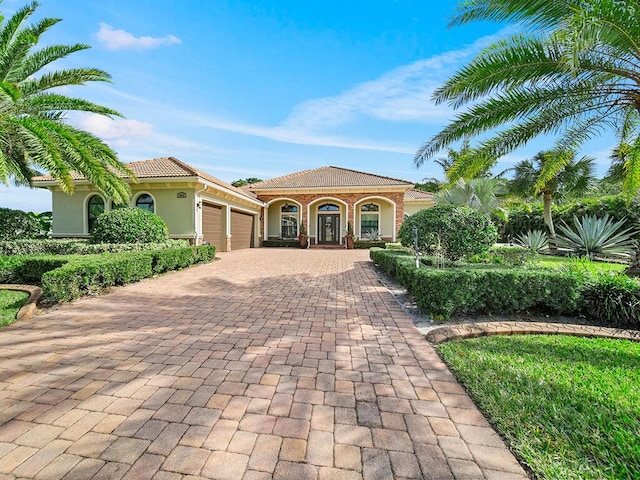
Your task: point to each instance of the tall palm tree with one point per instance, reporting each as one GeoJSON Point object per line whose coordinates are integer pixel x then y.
{"type": "Point", "coordinates": [573, 71]}
{"type": "Point", "coordinates": [575, 178]}
{"type": "Point", "coordinates": [33, 132]}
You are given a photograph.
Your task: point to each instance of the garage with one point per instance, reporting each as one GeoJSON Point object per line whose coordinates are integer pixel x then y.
{"type": "Point", "coordinates": [241, 230]}
{"type": "Point", "coordinates": [212, 225]}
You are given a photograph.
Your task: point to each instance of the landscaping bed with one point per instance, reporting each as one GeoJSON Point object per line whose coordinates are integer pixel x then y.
{"type": "Point", "coordinates": [569, 407]}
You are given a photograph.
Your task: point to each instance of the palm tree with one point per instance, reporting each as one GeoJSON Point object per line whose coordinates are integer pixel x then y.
{"type": "Point", "coordinates": [33, 132]}
{"type": "Point", "coordinates": [574, 71]}
{"type": "Point", "coordinates": [478, 193]}
{"type": "Point", "coordinates": [575, 178]}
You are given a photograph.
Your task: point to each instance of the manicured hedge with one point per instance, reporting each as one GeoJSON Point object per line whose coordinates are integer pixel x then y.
{"type": "Point", "coordinates": [281, 243]}
{"type": "Point", "coordinates": [466, 289]}
{"type": "Point", "coordinates": [369, 244]}
{"type": "Point", "coordinates": [78, 247]}
{"type": "Point", "coordinates": [64, 278]}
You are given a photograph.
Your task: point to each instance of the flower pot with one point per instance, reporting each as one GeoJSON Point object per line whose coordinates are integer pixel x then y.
{"type": "Point", "coordinates": [304, 241]}
{"type": "Point", "coordinates": [349, 241]}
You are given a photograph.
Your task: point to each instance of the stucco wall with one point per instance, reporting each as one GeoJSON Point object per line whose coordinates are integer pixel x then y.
{"type": "Point", "coordinates": [411, 208]}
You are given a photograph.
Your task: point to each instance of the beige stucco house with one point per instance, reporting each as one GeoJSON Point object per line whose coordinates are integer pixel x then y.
{"type": "Point", "coordinates": [201, 208]}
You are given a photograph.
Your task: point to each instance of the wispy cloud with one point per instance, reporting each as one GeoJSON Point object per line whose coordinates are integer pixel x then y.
{"type": "Point", "coordinates": [118, 131]}
{"type": "Point", "coordinates": [115, 39]}
{"type": "Point", "coordinates": [399, 95]}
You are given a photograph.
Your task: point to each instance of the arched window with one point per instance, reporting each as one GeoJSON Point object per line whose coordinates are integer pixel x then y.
{"type": "Point", "coordinates": [95, 206]}
{"type": "Point", "coordinates": [145, 201]}
{"type": "Point", "coordinates": [328, 207]}
{"type": "Point", "coordinates": [289, 221]}
{"type": "Point", "coordinates": [370, 221]}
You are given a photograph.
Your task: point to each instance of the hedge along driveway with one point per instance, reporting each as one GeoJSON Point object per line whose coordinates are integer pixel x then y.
{"type": "Point", "coordinates": [67, 277]}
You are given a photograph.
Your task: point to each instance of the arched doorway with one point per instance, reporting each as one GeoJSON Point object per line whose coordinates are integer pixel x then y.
{"type": "Point", "coordinates": [328, 224]}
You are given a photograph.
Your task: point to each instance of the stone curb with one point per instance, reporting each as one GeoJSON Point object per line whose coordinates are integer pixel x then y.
{"type": "Point", "coordinates": [29, 308]}
{"type": "Point", "coordinates": [473, 330]}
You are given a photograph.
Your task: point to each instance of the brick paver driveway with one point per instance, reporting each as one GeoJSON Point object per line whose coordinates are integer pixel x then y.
{"type": "Point", "coordinates": [266, 364]}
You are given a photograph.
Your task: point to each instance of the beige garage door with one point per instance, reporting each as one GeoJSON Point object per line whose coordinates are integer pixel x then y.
{"type": "Point", "coordinates": [241, 230]}
{"type": "Point", "coordinates": [212, 225]}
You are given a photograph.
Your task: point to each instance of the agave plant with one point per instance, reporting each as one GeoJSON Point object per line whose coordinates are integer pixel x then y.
{"type": "Point", "coordinates": [371, 235]}
{"type": "Point", "coordinates": [598, 236]}
{"type": "Point", "coordinates": [535, 240]}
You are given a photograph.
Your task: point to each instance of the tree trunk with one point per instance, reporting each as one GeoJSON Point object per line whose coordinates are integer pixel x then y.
{"type": "Point", "coordinates": [548, 220]}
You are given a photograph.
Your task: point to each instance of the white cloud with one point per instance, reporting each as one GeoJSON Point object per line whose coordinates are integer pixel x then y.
{"type": "Point", "coordinates": [119, 131]}
{"type": "Point", "coordinates": [114, 39]}
{"type": "Point", "coordinates": [399, 95]}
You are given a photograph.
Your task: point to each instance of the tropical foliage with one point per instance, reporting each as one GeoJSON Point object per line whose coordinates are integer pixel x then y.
{"type": "Point", "coordinates": [598, 236]}
{"type": "Point", "coordinates": [33, 132]}
{"type": "Point", "coordinates": [571, 70]}
{"type": "Point", "coordinates": [573, 179]}
{"type": "Point", "coordinates": [535, 240]}
{"type": "Point", "coordinates": [16, 225]}
{"type": "Point", "coordinates": [478, 193]}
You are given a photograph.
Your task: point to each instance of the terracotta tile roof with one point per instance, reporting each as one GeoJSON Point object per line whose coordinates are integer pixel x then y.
{"type": "Point", "coordinates": [163, 167]}
{"type": "Point", "coordinates": [414, 194]}
{"type": "Point", "coordinates": [329, 177]}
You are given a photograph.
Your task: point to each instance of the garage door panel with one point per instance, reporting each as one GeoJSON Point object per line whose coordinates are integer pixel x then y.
{"type": "Point", "coordinates": [212, 224]}
{"type": "Point", "coordinates": [241, 230]}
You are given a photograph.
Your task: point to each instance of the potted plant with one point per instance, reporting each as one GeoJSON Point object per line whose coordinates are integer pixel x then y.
{"type": "Point", "coordinates": [349, 236]}
{"type": "Point", "coordinates": [302, 236]}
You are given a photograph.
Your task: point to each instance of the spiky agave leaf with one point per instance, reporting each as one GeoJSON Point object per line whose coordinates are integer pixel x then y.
{"type": "Point", "coordinates": [535, 240]}
{"type": "Point", "coordinates": [598, 236]}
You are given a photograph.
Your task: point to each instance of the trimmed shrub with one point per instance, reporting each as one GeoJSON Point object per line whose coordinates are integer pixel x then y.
{"type": "Point", "coordinates": [369, 244]}
{"type": "Point", "coordinates": [129, 225]}
{"type": "Point", "coordinates": [498, 290]}
{"type": "Point", "coordinates": [614, 299]}
{"type": "Point", "coordinates": [16, 224]}
{"type": "Point", "coordinates": [28, 269]}
{"type": "Point", "coordinates": [79, 247]}
{"type": "Point", "coordinates": [458, 231]}
{"type": "Point", "coordinates": [504, 255]}
{"type": "Point", "coordinates": [281, 243]}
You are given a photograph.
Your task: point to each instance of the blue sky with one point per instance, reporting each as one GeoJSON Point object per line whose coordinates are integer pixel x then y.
{"type": "Point", "coordinates": [263, 88]}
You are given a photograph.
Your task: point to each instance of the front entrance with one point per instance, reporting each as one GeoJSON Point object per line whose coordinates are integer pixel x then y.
{"type": "Point", "coordinates": [328, 229]}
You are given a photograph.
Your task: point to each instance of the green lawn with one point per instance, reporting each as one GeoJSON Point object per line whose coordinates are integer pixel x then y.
{"type": "Point", "coordinates": [10, 303]}
{"type": "Point", "coordinates": [569, 406]}
{"type": "Point", "coordinates": [548, 261]}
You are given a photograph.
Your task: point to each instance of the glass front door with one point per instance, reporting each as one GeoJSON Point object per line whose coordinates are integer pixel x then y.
{"type": "Point", "coordinates": [328, 228]}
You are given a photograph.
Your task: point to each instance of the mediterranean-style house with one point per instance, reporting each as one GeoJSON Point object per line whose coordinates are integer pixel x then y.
{"type": "Point", "coordinates": [199, 207]}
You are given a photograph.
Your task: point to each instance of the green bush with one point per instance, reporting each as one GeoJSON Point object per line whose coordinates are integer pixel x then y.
{"type": "Point", "coordinates": [464, 289]}
{"type": "Point", "coordinates": [505, 255]}
{"type": "Point", "coordinates": [369, 244]}
{"type": "Point", "coordinates": [92, 274]}
{"type": "Point", "coordinates": [525, 217]}
{"type": "Point", "coordinates": [281, 243]}
{"type": "Point", "coordinates": [614, 299]}
{"type": "Point", "coordinates": [458, 231]}
{"type": "Point", "coordinates": [16, 224]}
{"type": "Point", "coordinates": [129, 225]}
{"type": "Point", "coordinates": [28, 269]}
{"type": "Point", "coordinates": [79, 247]}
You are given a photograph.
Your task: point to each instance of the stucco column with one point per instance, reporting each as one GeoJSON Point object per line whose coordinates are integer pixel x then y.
{"type": "Point", "coordinates": [228, 227]}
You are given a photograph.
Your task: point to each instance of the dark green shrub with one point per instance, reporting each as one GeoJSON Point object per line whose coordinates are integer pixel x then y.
{"type": "Point", "coordinates": [281, 243]}
{"type": "Point", "coordinates": [129, 225]}
{"type": "Point", "coordinates": [28, 269]}
{"type": "Point", "coordinates": [369, 244]}
{"type": "Point", "coordinates": [614, 299]}
{"type": "Point", "coordinates": [459, 231]}
{"type": "Point", "coordinates": [16, 224]}
{"type": "Point", "coordinates": [498, 290]}
{"type": "Point", "coordinates": [79, 247]}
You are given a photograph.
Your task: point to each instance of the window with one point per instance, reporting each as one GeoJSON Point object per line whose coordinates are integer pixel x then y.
{"type": "Point", "coordinates": [328, 207]}
{"type": "Point", "coordinates": [145, 201]}
{"type": "Point", "coordinates": [370, 221]}
{"type": "Point", "coordinates": [288, 222]}
{"type": "Point", "coordinates": [95, 206]}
